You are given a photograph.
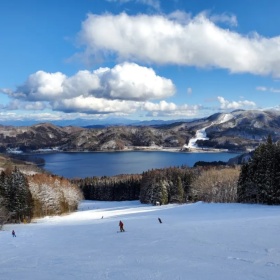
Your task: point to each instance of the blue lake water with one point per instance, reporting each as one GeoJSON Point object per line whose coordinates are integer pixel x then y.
{"type": "Point", "coordinates": [89, 164]}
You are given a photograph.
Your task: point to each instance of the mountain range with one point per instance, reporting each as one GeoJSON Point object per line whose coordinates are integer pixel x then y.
{"type": "Point", "coordinates": [240, 130]}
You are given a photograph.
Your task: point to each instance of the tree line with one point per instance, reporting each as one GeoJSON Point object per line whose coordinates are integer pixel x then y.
{"type": "Point", "coordinates": [165, 185]}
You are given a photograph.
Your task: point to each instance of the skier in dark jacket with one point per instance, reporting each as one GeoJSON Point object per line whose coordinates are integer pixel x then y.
{"type": "Point", "coordinates": [121, 226]}
{"type": "Point", "coordinates": [14, 234]}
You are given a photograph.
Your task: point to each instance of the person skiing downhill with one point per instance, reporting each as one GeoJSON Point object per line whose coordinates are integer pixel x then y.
{"type": "Point", "coordinates": [121, 226]}
{"type": "Point", "coordinates": [14, 234]}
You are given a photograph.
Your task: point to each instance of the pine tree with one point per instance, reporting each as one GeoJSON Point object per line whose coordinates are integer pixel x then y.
{"type": "Point", "coordinates": [259, 180]}
{"type": "Point", "coordinates": [22, 199]}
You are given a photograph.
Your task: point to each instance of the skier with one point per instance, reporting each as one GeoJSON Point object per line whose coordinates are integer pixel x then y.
{"type": "Point", "coordinates": [159, 219]}
{"type": "Point", "coordinates": [121, 226]}
{"type": "Point", "coordinates": [14, 234]}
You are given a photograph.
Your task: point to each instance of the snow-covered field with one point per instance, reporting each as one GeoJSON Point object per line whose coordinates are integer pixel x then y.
{"type": "Point", "coordinates": [195, 241]}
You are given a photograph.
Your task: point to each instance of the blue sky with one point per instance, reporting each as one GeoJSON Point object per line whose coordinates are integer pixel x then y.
{"type": "Point", "coordinates": [137, 59]}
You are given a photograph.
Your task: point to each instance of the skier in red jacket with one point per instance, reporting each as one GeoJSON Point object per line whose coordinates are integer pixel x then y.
{"type": "Point", "coordinates": [121, 226]}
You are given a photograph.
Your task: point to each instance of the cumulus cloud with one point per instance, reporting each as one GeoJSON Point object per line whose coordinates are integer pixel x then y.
{"type": "Point", "coordinates": [92, 105]}
{"type": "Point", "coordinates": [41, 86]}
{"type": "Point", "coordinates": [198, 42]}
{"type": "Point", "coordinates": [244, 104]}
{"type": "Point", "coordinates": [165, 109]}
{"type": "Point", "coordinates": [119, 90]}
{"type": "Point", "coordinates": [127, 81]}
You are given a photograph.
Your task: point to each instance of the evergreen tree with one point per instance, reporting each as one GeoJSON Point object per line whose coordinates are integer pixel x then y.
{"type": "Point", "coordinates": [259, 180]}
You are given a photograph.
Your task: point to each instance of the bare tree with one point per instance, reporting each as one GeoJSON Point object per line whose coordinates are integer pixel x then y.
{"type": "Point", "coordinates": [216, 185]}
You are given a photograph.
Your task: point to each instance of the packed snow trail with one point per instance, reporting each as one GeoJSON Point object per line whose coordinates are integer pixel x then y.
{"type": "Point", "coordinates": [195, 241]}
{"type": "Point", "coordinates": [201, 133]}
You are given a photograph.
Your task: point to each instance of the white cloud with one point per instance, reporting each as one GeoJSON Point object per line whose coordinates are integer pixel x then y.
{"type": "Point", "coordinates": [119, 90]}
{"type": "Point", "coordinates": [17, 104]}
{"type": "Point", "coordinates": [189, 90]}
{"type": "Point", "coordinates": [225, 104]}
{"type": "Point", "coordinates": [164, 109]}
{"type": "Point", "coordinates": [152, 3]}
{"type": "Point", "coordinates": [41, 86]}
{"type": "Point", "coordinates": [165, 40]}
{"type": "Point", "coordinates": [133, 82]}
{"type": "Point", "coordinates": [161, 106]}
{"type": "Point", "coordinates": [224, 18]}
{"type": "Point", "coordinates": [262, 88]}
{"type": "Point", "coordinates": [273, 90]}
{"type": "Point", "coordinates": [127, 81]}
{"type": "Point", "coordinates": [92, 105]}
{"type": "Point", "coordinates": [180, 17]}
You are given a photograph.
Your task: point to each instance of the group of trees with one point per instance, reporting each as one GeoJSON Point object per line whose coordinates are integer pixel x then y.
{"type": "Point", "coordinates": [115, 188]}
{"type": "Point", "coordinates": [166, 185]}
{"type": "Point", "coordinates": [216, 184]}
{"type": "Point", "coordinates": [15, 196]}
{"type": "Point", "coordinates": [53, 195]}
{"type": "Point", "coordinates": [25, 196]}
{"type": "Point", "coordinates": [259, 180]}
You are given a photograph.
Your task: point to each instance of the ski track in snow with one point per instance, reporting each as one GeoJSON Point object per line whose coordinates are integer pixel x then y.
{"type": "Point", "coordinates": [195, 241]}
{"type": "Point", "coordinates": [201, 133]}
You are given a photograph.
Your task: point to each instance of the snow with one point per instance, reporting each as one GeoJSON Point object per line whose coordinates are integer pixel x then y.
{"type": "Point", "coordinates": [195, 241]}
{"type": "Point", "coordinates": [201, 133]}
{"type": "Point", "coordinates": [225, 118]}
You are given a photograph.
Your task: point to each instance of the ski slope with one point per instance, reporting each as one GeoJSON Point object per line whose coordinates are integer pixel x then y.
{"type": "Point", "coordinates": [195, 241]}
{"type": "Point", "coordinates": [201, 133]}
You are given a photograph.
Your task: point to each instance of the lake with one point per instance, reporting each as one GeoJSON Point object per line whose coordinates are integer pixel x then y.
{"type": "Point", "coordinates": [89, 164]}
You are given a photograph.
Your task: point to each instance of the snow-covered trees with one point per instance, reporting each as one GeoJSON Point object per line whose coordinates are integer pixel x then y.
{"type": "Point", "coordinates": [169, 185]}
{"type": "Point", "coordinates": [53, 195]}
{"type": "Point", "coordinates": [23, 197]}
{"type": "Point", "coordinates": [259, 180]}
{"type": "Point", "coordinates": [215, 184]}
{"type": "Point", "coordinates": [15, 192]}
